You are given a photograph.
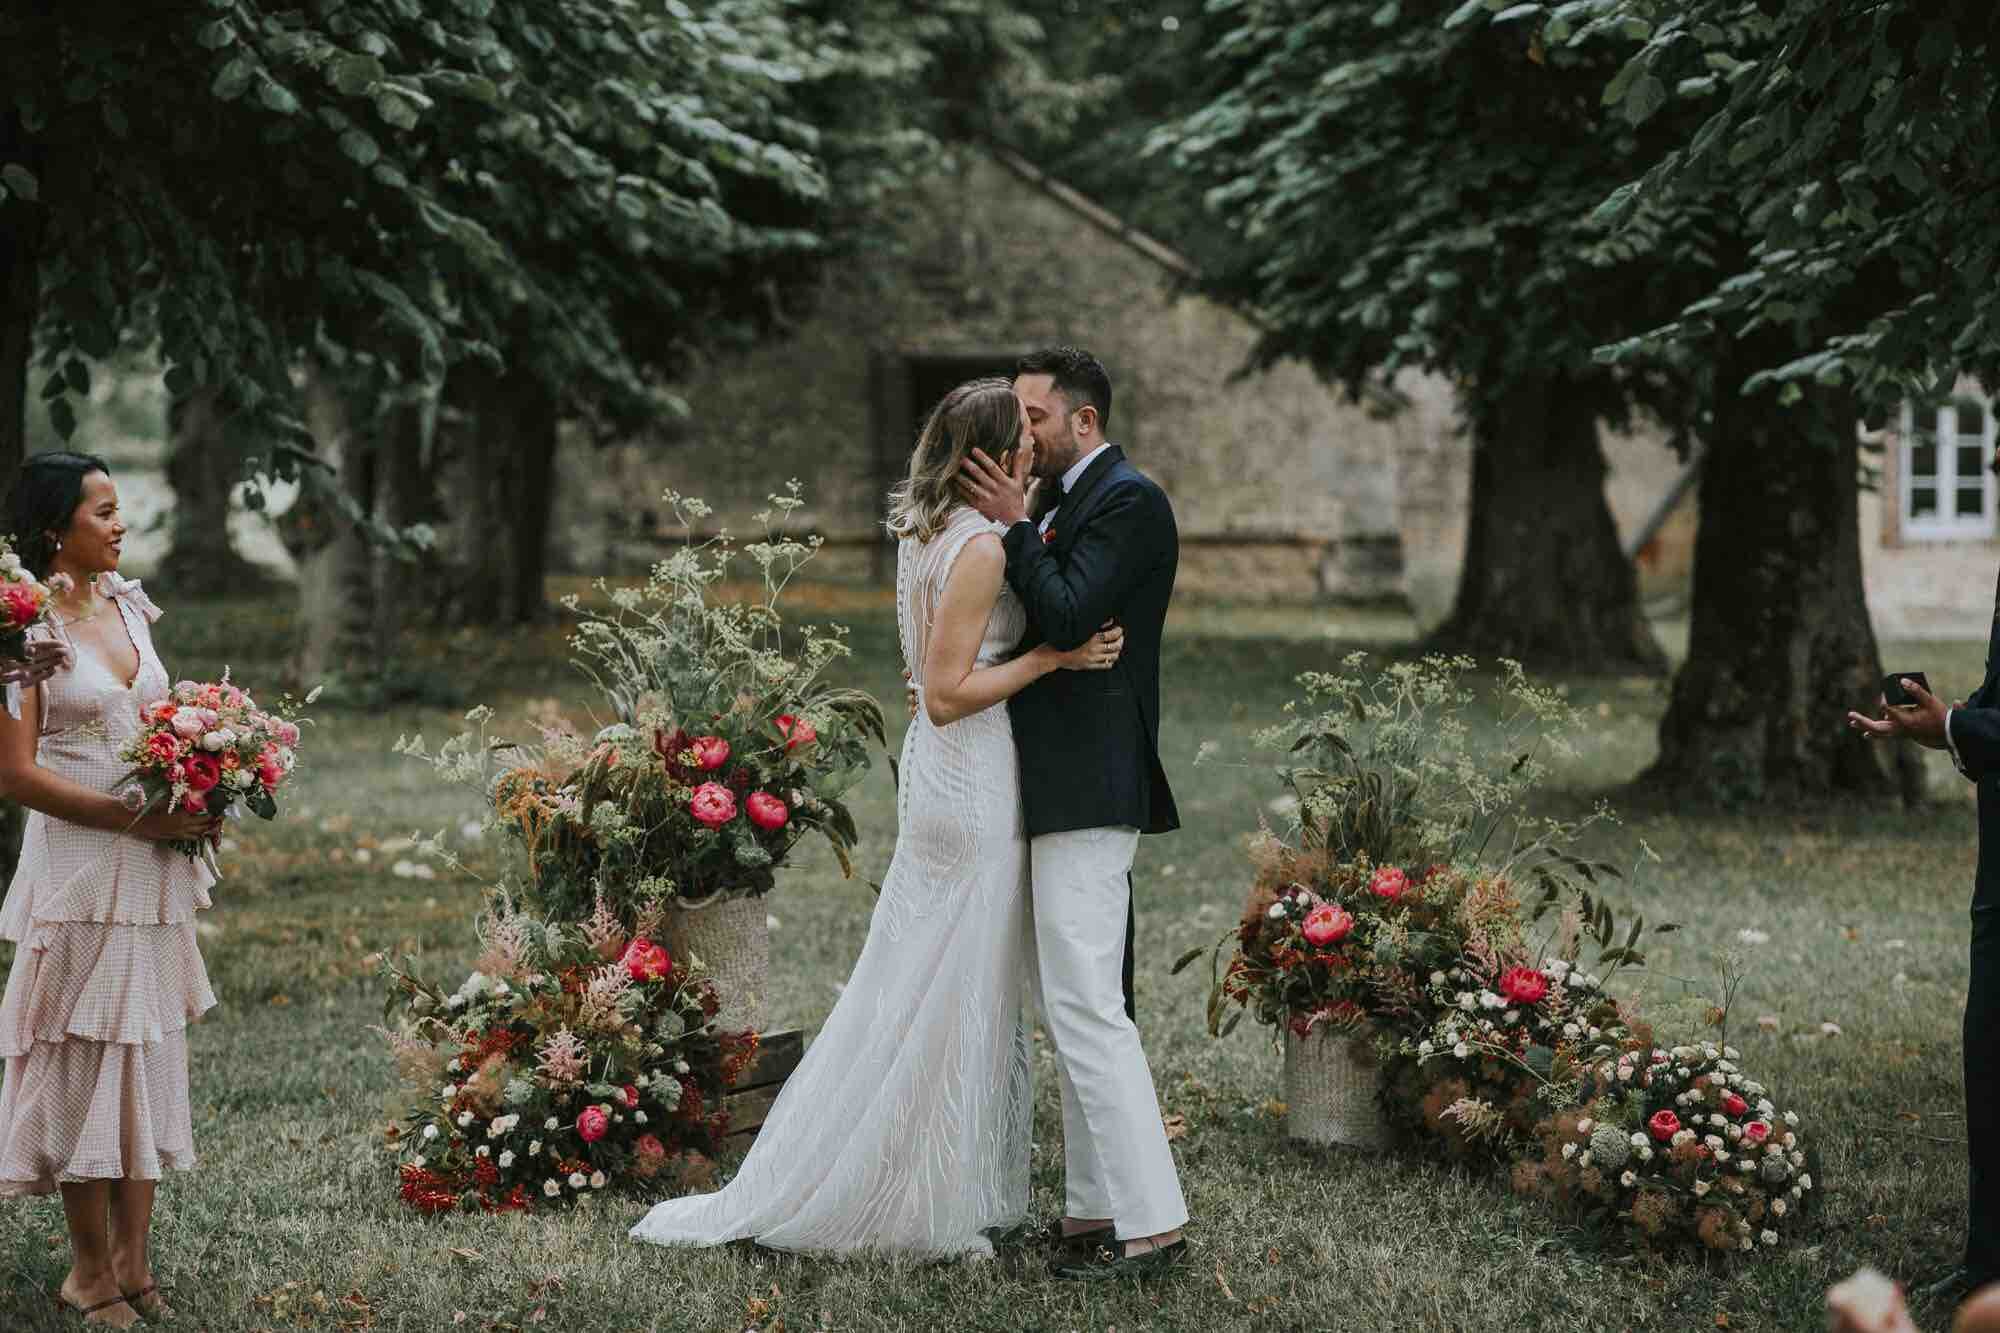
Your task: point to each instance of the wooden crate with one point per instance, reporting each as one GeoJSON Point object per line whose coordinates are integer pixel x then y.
{"type": "Point", "coordinates": [778, 1054]}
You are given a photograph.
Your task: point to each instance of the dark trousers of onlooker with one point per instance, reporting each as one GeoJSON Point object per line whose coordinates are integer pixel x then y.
{"type": "Point", "coordinates": [1982, 1093]}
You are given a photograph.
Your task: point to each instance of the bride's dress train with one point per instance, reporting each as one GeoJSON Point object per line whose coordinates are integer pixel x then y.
{"type": "Point", "coordinates": [905, 1128]}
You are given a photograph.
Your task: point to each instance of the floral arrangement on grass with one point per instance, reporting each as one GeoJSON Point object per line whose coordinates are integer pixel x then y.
{"type": "Point", "coordinates": [207, 747]}
{"type": "Point", "coordinates": [727, 745]}
{"type": "Point", "coordinates": [572, 1060]}
{"type": "Point", "coordinates": [1393, 909]}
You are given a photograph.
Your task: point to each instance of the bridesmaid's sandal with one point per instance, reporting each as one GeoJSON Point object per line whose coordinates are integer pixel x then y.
{"type": "Point", "coordinates": [149, 1302]}
{"type": "Point", "coordinates": [84, 1312]}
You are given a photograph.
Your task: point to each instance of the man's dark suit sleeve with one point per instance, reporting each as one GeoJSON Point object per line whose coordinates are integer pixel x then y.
{"type": "Point", "coordinates": [1116, 549]}
{"type": "Point", "coordinates": [1975, 735]}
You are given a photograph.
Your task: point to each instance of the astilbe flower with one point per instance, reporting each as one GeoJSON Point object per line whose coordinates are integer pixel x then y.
{"type": "Point", "coordinates": [601, 998]}
{"type": "Point", "coordinates": [562, 1059]}
{"type": "Point", "coordinates": [507, 946]}
{"type": "Point", "coordinates": [417, 1062]}
{"type": "Point", "coordinates": [602, 932]}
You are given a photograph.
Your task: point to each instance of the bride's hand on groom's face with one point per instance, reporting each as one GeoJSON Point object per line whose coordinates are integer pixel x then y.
{"type": "Point", "coordinates": [1000, 494]}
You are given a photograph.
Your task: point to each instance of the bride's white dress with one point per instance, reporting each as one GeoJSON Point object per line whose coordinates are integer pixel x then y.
{"type": "Point", "coordinates": [905, 1128]}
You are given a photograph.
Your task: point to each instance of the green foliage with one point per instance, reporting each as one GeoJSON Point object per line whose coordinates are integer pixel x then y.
{"type": "Point", "coordinates": [1859, 148]}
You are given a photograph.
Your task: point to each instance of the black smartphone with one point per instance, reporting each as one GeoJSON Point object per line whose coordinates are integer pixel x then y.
{"type": "Point", "coordinates": [1892, 686]}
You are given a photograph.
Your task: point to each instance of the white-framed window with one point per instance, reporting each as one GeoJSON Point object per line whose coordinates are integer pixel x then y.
{"type": "Point", "coordinates": [1948, 491]}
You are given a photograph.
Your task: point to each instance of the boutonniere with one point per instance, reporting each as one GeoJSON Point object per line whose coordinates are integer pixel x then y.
{"type": "Point", "coordinates": [1049, 534]}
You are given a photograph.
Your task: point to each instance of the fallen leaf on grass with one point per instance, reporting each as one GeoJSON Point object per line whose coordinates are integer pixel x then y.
{"type": "Point", "coordinates": [280, 1000]}
{"type": "Point", "coordinates": [1274, 1109]}
{"type": "Point", "coordinates": [1767, 1022]}
{"type": "Point", "coordinates": [1222, 1281]}
{"type": "Point", "coordinates": [1271, 1256]}
{"type": "Point", "coordinates": [464, 1253]}
{"type": "Point", "coordinates": [1176, 1127]}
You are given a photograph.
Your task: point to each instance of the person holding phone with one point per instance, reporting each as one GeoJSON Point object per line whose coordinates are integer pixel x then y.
{"type": "Point", "coordinates": [1970, 731]}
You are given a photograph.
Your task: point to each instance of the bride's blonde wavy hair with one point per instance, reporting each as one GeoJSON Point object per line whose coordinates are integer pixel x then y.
{"type": "Point", "coordinates": [979, 414]}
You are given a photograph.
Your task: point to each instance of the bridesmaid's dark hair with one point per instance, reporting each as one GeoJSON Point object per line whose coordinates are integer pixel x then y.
{"type": "Point", "coordinates": [46, 494]}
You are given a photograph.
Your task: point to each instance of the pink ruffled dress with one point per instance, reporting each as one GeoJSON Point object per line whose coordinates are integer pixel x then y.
{"type": "Point", "coordinates": [106, 975]}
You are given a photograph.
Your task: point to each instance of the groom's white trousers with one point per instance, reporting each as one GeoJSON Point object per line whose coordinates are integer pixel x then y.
{"type": "Point", "coordinates": [1115, 1155]}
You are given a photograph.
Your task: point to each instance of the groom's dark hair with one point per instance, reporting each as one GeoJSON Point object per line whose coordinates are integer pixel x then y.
{"type": "Point", "coordinates": [1078, 376]}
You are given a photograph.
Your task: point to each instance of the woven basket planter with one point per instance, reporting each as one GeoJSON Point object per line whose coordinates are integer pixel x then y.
{"type": "Point", "coordinates": [733, 938]}
{"type": "Point", "coordinates": [1331, 1081]}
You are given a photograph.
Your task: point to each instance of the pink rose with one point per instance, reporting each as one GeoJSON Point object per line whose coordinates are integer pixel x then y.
{"type": "Point", "coordinates": [1389, 882]}
{"type": "Point", "coordinates": [631, 1095]}
{"type": "Point", "coordinates": [287, 733]}
{"type": "Point", "coordinates": [1734, 1104]}
{"type": "Point", "coordinates": [798, 732]}
{"type": "Point", "coordinates": [1327, 924]}
{"type": "Point", "coordinates": [710, 752]}
{"type": "Point", "coordinates": [647, 961]}
{"type": "Point", "coordinates": [1757, 1131]}
{"type": "Point", "coordinates": [186, 725]}
{"type": "Point", "coordinates": [203, 771]}
{"type": "Point", "coordinates": [766, 810]}
{"type": "Point", "coordinates": [195, 801]}
{"type": "Point", "coordinates": [162, 747]}
{"type": "Point", "coordinates": [712, 804]}
{"type": "Point", "coordinates": [1664, 1125]}
{"type": "Point", "coordinates": [1523, 985]}
{"type": "Point", "coordinates": [592, 1124]}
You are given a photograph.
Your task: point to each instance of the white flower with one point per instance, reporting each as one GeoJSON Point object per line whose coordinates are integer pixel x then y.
{"type": "Point", "coordinates": [464, 1119]}
{"type": "Point", "coordinates": [482, 1151]}
{"type": "Point", "coordinates": [1628, 1180]}
{"type": "Point", "coordinates": [1583, 1160]}
{"type": "Point", "coordinates": [1730, 1053]}
{"type": "Point", "coordinates": [1797, 1159]}
{"type": "Point", "coordinates": [1624, 1073]}
{"type": "Point", "coordinates": [1748, 1244]}
{"type": "Point", "coordinates": [1778, 1207]}
{"type": "Point", "coordinates": [419, 1160]}
{"type": "Point", "coordinates": [450, 1091]}
{"type": "Point", "coordinates": [1555, 967]}
{"type": "Point", "coordinates": [1585, 1125]}
{"type": "Point", "coordinates": [1461, 1050]}
{"type": "Point", "coordinates": [1277, 910]}
{"type": "Point", "coordinates": [1638, 1140]}
{"type": "Point", "coordinates": [506, 1159]}
{"type": "Point", "coordinates": [550, 1123]}
{"type": "Point", "coordinates": [597, 1179]}
{"type": "Point", "coordinates": [1732, 1133]}
{"type": "Point", "coordinates": [1714, 1142]}
{"type": "Point", "coordinates": [1769, 1237]}
{"type": "Point", "coordinates": [1590, 981]}
{"type": "Point", "coordinates": [577, 1180]}
{"type": "Point", "coordinates": [680, 1066]}
{"type": "Point", "coordinates": [1790, 1140]}
{"type": "Point", "coordinates": [212, 741]}
{"type": "Point", "coordinates": [1467, 1000]}
{"type": "Point", "coordinates": [1745, 1165]}
{"type": "Point", "coordinates": [1683, 1137]}
{"type": "Point", "coordinates": [617, 1118]}
{"type": "Point", "coordinates": [1753, 937]}
{"type": "Point", "coordinates": [1765, 1109]}
{"type": "Point", "coordinates": [551, 1187]}
{"type": "Point", "coordinates": [430, 1131]}
{"type": "Point", "coordinates": [1700, 1188]}
{"type": "Point", "coordinates": [1489, 1000]}
{"type": "Point", "coordinates": [1646, 1153]}
{"type": "Point", "coordinates": [639, 1117]}
{"type": "Point", "coordinates": [1594, 1032]}
{"type": "Point", "coordinates": [1572, 1031]}
{"type": "Point", "coordinates": [1805, 1182]}
{"type": "Point", "coordinates": [1829, 1029]}
{"type": "Point", "coordinates": [454, 1067]}
{"type": "Point", "coordinates": [1718, 1120]}
{"type": "Point", "coordinates": [1569, 1151]}
{"type": "Point", "coordinates": [535, 1148]}
{"type": "Point", "coordinates": [1511, 1016]}
{"type": "Point", "coordinates": [1792, 1118]}
{"type": "Point", "coordinates": [10, 562]}
{"type": "Point", "coordinates": [1437, 978]}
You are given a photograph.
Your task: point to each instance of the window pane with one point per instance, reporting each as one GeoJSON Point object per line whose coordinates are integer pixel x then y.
{"type": "Point", "coordinates": [1923, 461]}
{"type": "Point", "coordinates": [1971, 503]}
{"type": "Point", "coordinates": [1971, 417]}
{"type": "Point", "coordinates": [1971, 455]}
{"type": "Point", "coordinates": [1923, 502]}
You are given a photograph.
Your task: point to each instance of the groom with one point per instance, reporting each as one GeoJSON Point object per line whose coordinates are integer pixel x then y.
{"type": "Point", "coordinates": [1091, 783]}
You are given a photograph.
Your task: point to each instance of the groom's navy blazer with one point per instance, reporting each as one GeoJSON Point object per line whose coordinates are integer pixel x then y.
{"type": "Point", "coordinates": [1089, 740]}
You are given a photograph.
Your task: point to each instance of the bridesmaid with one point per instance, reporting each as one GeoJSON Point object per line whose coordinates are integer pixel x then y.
{"type": "Point", "coordinates": [106, 974]}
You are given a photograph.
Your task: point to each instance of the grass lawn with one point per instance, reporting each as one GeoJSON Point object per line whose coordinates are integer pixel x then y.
{"type": "Point", "coordinates": [292, 1220]}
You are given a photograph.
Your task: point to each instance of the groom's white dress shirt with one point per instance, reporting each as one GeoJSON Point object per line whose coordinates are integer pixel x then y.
{"type": "Point", "coordinates": [1069, 479]}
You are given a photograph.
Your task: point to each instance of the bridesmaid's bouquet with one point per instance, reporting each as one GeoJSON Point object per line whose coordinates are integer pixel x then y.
{"type": "Point", "coordinates": [207, 747]}
{"type": "Point", "coordinates": [25, 601]}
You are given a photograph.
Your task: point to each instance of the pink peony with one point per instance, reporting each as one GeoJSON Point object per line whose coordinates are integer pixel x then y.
{"type": "Point", "coordinates": [710, 752]}
{"type": "Point", "coordinates": [195, 801]}
{"type": "Point", "coordinates": [1664, 1125]}
{"type": "Point", "coordinates": [592, 1124]}
{"type": "Point", "coordinates": [798, 732]}
{"type": "Point", "coordinates": [1327, 924]}
{"type": "Point", "coordinates": [1734, 1104]}
{"type": "Point", "coordinates": [712, 804]}
{"type": "Point", "coordinates": [1757, 1131]}
{"type": "Point", "coordinates": [287, 733]}
{"type": "Point", "coordinates": [186, 725]}
{"type": "Point", "coordinates": [203, 771]}
{"type": "Point", "coordinates": [21, 603]}
{"type": "Point", "coordinates": [1389, 882]}
{"type": "Point", "coordinates": [648, 1156]}
{"type": "Point", "coordinates": [647, 961]}
{"type": "Point", "coordinates": [1523, 985]}
{"type": "Point", "coordinates": [631, 1095]}
{"type": "Point", "coordinates": [766, 810]}
{"type": "Point", "coordinates": [162, 747]}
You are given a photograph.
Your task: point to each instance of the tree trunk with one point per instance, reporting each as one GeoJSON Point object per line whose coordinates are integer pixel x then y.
{"type": "Point", "coordinates": [501, 494]}
{"type": "Point", "coordinates": [202, 471]}
{"type": "Point", "coordinates": [1780, 645]}
{"type": "Point", "coordinates": [1545, 581]}
{"type": "Point", "coordinates": [21, 226]}
{"type": "Point", "coordinates": [336, 568]}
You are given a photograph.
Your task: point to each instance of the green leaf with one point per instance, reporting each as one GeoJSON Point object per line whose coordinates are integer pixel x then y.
{"type": "Point", "coordinates": [1513, 12]}
{"type": "Point", "coordinates": [19, 180]}
{"type": "Point", "coordinates": [1182, 962]}
{"type": "Point", "coordinates": [1465, 13]}
{"type": "Point", "coordinates": [361, 146]}
{"type": "Point", "coordinates": [1387, 15]}
{"type": "Point", "coordinates": [76, 373]}
{"type": "Point", "coordinates": [1647, 96]}
{"type": "Point", "coordinates": [354, 75]}
{"type": "Point", "coordinates": [62, 416]}
{"type": "Point", "coordinates": [232, 79]}
{"type": "Point", "coordinates": [277, 97]}
{"type": "Point", "coordinates": [216, 34]}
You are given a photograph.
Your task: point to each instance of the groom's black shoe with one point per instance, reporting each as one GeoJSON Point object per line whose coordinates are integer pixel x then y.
{"type": "Point", "coordinates": [1075, 1246]}
{"type": "Point", "coordinates": [1109, 1265]}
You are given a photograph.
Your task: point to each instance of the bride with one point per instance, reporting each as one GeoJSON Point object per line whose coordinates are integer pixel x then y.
{"type": "Point", "coordinates": [905, 1128]}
